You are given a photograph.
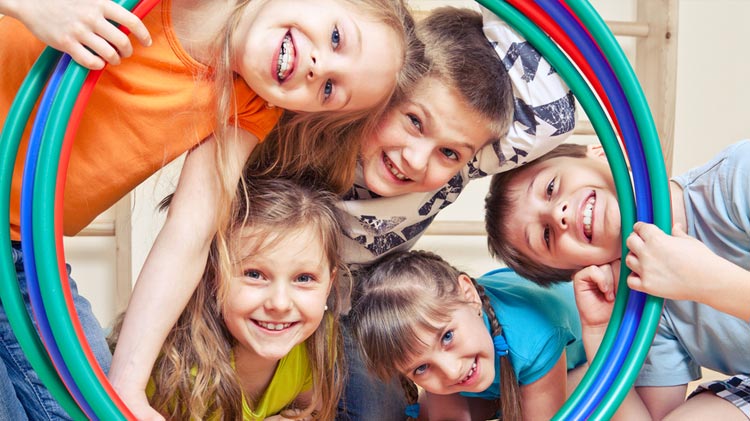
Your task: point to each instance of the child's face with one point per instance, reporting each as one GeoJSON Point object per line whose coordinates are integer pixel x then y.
{"type": "Point", "coordinates": [422, 143]}
{"type": "Point", "coordinates": [459, 358]}
{"type": "Point", "coordinates": [567, 212]}
{"type": "Point", "coordinates": [279, 299]}
{"type": "Point", "coordinates": [317, 55]}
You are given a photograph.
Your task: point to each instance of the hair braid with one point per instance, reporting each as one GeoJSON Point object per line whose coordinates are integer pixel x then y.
{"type": "Point", "coordinates": [410, 391]}
{"type": "Point", "coordinates": [510, 398]}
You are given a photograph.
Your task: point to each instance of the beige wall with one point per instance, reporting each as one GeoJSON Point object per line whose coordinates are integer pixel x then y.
{"type": "Point", "coordinates": [711, 89]}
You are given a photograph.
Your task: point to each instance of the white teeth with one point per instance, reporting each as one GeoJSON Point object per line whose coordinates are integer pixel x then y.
{"type": "Point", "coordinates": [588, 212]}
{"type": "Point", "coordinates": [471, 372]}
{"type": "Point", "coordinates": [285, 57]}
{"type": "Point", "coordinates": [394, 171]}
{"type": "Point", "coordinates": [274, 326]}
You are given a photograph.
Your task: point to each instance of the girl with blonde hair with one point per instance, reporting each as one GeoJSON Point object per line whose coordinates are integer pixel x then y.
{"type": "Point", "coordinates": [213, 81]}
{"type": "Point", "coordinates": [259, 338]}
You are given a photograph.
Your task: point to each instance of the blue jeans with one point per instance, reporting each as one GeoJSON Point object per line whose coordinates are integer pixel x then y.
{"type": "Point", "coordinates": [367, 398]}
{"type": "Point", "coordinates": [22, 394]}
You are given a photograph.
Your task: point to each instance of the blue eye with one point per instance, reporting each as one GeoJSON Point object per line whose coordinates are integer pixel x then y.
{"type": "Point", "coordinates": [447, 337]}
{"type": "Point", "coordinates": [335, 38]}
{"type": "Point", "coordinates": [420, 370]}
{"type": "Point", "coordinates": [415, 121]}
{"type": "Point", "coordinates": [252, 273]}
{"type": "Point", "coordinates": [449, 153]}
{"type": "Point", "coordinates": [305, 278]}
{"type": "Point", "coordinates": [327, 89]}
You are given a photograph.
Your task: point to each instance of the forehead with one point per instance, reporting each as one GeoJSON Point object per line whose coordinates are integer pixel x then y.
{"type": "Point", "coordinates": [297, 242]}
{"type": "Point", "coordinates": [451, 115]}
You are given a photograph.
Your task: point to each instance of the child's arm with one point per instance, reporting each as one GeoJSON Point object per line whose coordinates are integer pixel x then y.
{"type": "Point", "coordinates": [85, 29]}
{"type": "Point", "coordinates": [172, 269]}
{"type": "Point", "coordinates": [543, 398]}
{"type": "Point", "coordinates": [594, 288]}
{"type": "Point", "coordinates": [680, 267]}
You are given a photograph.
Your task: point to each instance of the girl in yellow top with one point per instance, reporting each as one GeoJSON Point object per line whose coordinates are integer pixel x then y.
{"type": "Point", "coordinates": [213, 82]}
{"type": "Point", "coordinates": [259, 338]}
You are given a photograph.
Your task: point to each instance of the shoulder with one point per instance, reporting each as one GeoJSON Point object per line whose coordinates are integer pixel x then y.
{"type": "Point", "coordinates": [729, 171]}
{"type": "Point", "coordinates": [522, 305]}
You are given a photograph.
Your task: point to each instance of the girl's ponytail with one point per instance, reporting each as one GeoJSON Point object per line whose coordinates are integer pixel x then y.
{"type": "Point", "coordinates": [510, 399]}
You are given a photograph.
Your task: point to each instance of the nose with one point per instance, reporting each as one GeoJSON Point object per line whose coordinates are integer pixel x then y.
{"type": "Point", "coordinates": [320, 65]}
{"type": "Point", "coordinates": [560, 216]}
{"type": "Point", "coordinates": [417, 154]}
{"type": "Point", "coordinates": [278, 298]}
{"type": "Point", "coordinates": [451, 368]}
{"type": "Point", "coordinates": [312, 70]}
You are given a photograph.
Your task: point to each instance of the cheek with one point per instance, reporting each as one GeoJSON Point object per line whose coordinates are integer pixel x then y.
{"type": "Point", "coordinates": [438, 175]}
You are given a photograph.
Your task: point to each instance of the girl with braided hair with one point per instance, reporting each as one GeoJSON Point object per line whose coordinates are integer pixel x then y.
{"type": "Point", "coordinates": [473, 346]}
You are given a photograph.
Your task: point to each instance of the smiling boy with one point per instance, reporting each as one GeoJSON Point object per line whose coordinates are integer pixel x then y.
{"type": "Point", "coordinates": [560, 214]}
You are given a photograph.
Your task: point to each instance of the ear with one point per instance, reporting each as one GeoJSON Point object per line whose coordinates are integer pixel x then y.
{"type": "Point", "coordinates": [334, 272]}
{"type": "Point", "coordinates": [468, 290]}
{"type": "Point", "coordinates": [595, 151]}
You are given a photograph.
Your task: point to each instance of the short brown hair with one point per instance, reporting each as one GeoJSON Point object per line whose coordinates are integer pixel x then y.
{"type": "Point", "coordinates": [459, 55]}
{"type": "Point", "coordinates": [498, 206]}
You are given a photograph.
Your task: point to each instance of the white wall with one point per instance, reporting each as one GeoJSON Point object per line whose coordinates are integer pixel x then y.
{"type": "Point", "coordinates": [711, 113]}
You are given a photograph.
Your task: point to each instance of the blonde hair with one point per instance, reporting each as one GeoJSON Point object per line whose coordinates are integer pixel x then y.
{"type": "Point", "coordinates": [327, 144]}
{"type": "Point", "coordinates": [498, 206]}
{"type": "Point", "coordinates": [407, 291]}
{"type": "Point", "coordinates": [459, 55]}
{"type": "Point", "coordinates": [193, 375]}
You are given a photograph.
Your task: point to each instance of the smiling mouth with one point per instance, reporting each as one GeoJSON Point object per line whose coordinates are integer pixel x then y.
{"type": "Point", "coordinates": [392, 168]}
{"type": "Point", "coordinates": [285, 62]}
{"type": "Point", "coordinates": [276, 327]}
{"type": "Point", "coordinates": [470, 374]}
{"type": "Point", "coordinates": [588, 216]}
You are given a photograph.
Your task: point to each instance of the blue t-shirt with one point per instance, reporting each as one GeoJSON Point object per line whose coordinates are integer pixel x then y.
{"type": "Point", "coordinates": [691, 335]}
{"type": "Point", "coordinates": [538, 324]}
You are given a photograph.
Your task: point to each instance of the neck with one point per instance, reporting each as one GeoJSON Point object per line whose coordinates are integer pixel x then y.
{"type": "Point", "coordinates": [255, 373]}
{"type": "Point", "coordinates": [678, 205]}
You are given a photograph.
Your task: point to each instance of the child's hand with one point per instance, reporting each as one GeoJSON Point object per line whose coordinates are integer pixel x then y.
{"type": "Point", "coordinates": [674, 267]}
{"type": "Point", "coordinates": [138, 404]}
{"type": "Point", "coordinates": [595, 288]}
{"type": "Point", "coordinates": [78, 27]}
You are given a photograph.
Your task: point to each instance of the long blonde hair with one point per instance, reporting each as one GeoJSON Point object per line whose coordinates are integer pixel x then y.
{"type": "Point", "coordinates": [193, 376]}
{"type": "Point", "coordinates": [404, 292]}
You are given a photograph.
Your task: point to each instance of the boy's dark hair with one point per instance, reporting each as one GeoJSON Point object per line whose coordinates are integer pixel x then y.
{"type": "Point", "coordinates": [498, 206]}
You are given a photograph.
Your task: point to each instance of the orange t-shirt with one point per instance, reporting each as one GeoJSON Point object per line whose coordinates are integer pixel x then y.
{"type": "Point", "coordinates": [143, 114]}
